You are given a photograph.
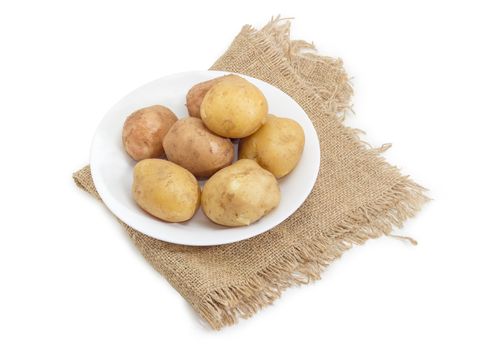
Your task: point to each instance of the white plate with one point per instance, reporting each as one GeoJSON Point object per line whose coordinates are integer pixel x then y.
{"type": "Point", "coordinates": [112, 168]}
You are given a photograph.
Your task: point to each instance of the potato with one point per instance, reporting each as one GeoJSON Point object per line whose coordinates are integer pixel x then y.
{"type": "Point", "coordinates": [191, 145]}
{"type": "Point", "coordinates": [197, 92]}
{"type": "Point", "coordinates": [240, 194]}
{"type": "Point", "coordinates": [277, 146]}
{"type": "Point", "coordinates": [234, 108]}
{"type": "Point", "coordinates": [144, 130]}
{"type": "Point", "coordinates": [165, 190]}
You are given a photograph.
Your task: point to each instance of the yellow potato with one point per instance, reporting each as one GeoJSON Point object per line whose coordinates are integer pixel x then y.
{"type": "Point", "coordinates": [277, 146]}
{"type": "Point", "coordinates": [144, 130]}
{"type": "Point", "coordinates": [234, 108]}
{"type": "Point", "coordinates": [165, 190]}
{"type": "Point", "coordinates": [191, 145]}
{"type": "Point", "coordinates": [240, 194]}
{"type": "Point", "coordinates": [197, 92]}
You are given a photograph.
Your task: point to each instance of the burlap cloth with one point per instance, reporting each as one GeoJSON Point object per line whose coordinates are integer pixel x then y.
{"type": "Point", "coordinates": [357, 196]}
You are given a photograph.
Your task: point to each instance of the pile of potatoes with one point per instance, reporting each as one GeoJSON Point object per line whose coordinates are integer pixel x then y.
{"type": "Point", "coordinates": [222, 111]}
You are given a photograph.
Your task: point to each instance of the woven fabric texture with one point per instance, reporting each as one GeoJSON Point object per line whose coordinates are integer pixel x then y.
{"type": "Point", "coordinates": [357, 196]}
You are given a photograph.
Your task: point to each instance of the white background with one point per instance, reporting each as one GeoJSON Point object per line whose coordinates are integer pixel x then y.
{"type": "Point", "coordinates": [71, 279]}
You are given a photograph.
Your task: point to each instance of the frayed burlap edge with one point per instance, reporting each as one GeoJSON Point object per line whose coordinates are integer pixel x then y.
{"type": "Point", "coordinates": [293, 55]}
{"type": "Point", "coordinates": [306, 261]}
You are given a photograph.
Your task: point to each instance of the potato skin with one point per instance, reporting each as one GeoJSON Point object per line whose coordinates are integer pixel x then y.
{"type": "Point", "coordinates": [165, 190]}
{"type": "Point", "coordinates": [277, 146]}
{"type": "Point", "coordinates": [144, 130]}
{"type": "Point", "coordinates": [234, 108]}
{"type": "Point", "coordinates": [197, 92]}
{"type": "Point", "coordinates": [240, 194]}
{"type": "Point", "coordinates": [191, 145]}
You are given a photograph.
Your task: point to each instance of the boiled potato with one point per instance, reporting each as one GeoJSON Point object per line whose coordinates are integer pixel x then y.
{"type": "Point", "coordinates": [144, 130]}
{"type": "Point", "coordinates": [277, 146]}
{"type": "Point", "coordinates": [197, 92]}
{"type": "Point", "coordinates": [234, 108]}
{"type": "Point", "coordinates": [165, 190]}
{"type": "Point", "coordinates": [240, 194]}
{"type": "Point", "coordinates": [191, 145]}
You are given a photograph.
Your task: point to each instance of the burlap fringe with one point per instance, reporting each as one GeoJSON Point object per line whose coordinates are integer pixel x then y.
{"type": "Point", "coordinates": [338, 92]}
{"type": "Point", "coordinates": [305, 263]}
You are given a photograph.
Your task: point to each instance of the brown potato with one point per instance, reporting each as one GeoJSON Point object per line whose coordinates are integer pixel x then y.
{"type": "Point", "coordinates": [234, 108]}
{"type": "Point", "coordinates": [277, 146]}
{"type": "Point", "coordinates": [197, 92]}
{"type": "Point", "coordinates": [240, 194]}
{"type": "Point", "coordinates": [144, 130]}
{"type": "Point", "coordinates": [165, 190]}
{"type": "Point", "coordinates": [191, 145]}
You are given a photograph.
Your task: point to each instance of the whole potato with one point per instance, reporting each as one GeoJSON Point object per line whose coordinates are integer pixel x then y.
{"type": "Point", "coordinates": [240, 194]}
{"type": "Point", "coordinates": [277, 146]}
{"type": "Point", "coordinates": [234, 108]}
{"type": "Point", "coordinates": [197, 92]}
{"type": "Point", "coordinates": [165, 190]}
{"type": "Point", "coordinates": [144, 130]}
{"type": "Point", "coordinates": [191, 145]}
